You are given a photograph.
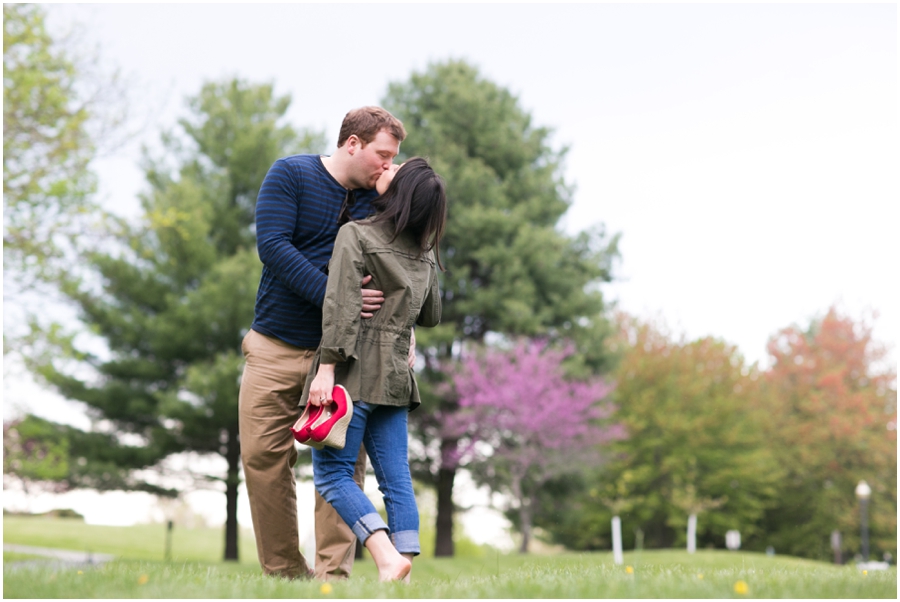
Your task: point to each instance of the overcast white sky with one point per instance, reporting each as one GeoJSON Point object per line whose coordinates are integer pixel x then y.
{"type": "Point", "coordinates": [747, 153]}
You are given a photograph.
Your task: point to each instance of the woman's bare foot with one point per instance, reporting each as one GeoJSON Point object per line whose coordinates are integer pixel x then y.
{"type": "Point", "coordinates": [391, 565]}
{"type": "Point", "coordinates": [396, 570]}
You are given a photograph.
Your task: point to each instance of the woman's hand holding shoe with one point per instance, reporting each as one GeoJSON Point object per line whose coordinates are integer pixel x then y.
{"type": "Point", "coordinates": [322, 385]}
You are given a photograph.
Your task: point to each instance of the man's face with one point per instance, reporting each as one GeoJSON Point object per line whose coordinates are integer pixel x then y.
{"type": "Point", "coordinates": [372, 159]}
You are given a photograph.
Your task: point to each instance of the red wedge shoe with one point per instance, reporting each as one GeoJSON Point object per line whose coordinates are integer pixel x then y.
{"type": "Point", "coordinates": [302, 429]}
{"type": "Point", "coordinates": [331, 429]}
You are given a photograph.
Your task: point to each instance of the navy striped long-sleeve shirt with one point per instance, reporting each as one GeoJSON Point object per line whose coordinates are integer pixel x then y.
{"type": "Point", "coordinates": [296, 224]}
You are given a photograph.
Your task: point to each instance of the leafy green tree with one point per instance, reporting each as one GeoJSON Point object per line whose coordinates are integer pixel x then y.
{"type": "Point", "coordinates": [46, 144]}
{"type": "Point", "coordinates": [696, 444]}
{"type": "Point", "coordinates": [833, 407]}
{"type": "Point", "coordinates": [35, 451]}
{"type": "Point", "coordinates": [56, 112]}
{"type": "Point", "coordinates": [56, 457]}
{"type": "Point", "coordinates": [170, 297]}
{"type": "Point", "coordinates": [510, 269]}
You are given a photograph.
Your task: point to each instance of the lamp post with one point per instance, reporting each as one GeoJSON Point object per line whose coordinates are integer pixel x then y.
{"type": "Point", "coordinates": [863, 491]}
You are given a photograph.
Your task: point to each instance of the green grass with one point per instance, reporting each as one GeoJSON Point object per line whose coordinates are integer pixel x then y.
{"type": "Point", "coordinates": [653, 574]}
{"type": "Point", "coordinates": [18, 557]}
{"type": "Point", "coordinates": [140, 542]}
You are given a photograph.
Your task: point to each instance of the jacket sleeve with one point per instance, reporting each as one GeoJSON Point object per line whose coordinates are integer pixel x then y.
{"type": "Point", "coordinates": [430, 315]}
{"type": "Point", "coordinates": [343, 298]}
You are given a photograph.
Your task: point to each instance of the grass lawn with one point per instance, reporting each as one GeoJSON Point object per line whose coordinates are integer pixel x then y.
{"type": "Point", "coordinates": [140, 542]}
{"type": "Point", "coordinates": [18, 557]}
{"type": "Point", "coordinates": [648, 574]}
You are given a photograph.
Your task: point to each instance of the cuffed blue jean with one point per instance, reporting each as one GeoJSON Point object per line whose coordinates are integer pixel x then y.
{"type": "Point", "coordinates": [383, 430]}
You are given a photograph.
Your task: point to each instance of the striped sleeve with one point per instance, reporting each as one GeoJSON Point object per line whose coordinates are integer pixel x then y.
{"type": "Point", "coordinates": [277, 210]}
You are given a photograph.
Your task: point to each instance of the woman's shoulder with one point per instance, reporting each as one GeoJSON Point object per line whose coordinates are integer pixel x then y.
{"type": "Point", "coordinates": [364, 233]}
{"type": "Point", "coordinates": [380, 234]}
{"type": "Point", "coordinates": [366, 222]}
{"type": "Point", "coordinates": [348, 234]}
{"type": "Point", "coordinates": [370, 229]}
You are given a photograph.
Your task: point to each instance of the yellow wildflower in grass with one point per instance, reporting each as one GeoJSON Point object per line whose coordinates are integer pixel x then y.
{"type": "Point", "coordinates": [699, 575]}
{"type": "Point", "coordinates": [741, 588]}
{"type": "Point", "coordinates": [81, 572]}
{"type": "Point", "coordinates": [143, 579]}
{"type": "Point", "coordinates": [865, 572]}
{"type": "Point", "coordinates": [326, 588]}
{"type": "Point", "coordinates": [629, 570]}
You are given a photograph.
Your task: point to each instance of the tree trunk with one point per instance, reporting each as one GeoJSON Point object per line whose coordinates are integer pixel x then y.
{"type": "Point", "coordinates": [525, 519]}
{"type": "Point", "coordinates": [524, 511]}
{"type": "Point", "coordinates": [233, 456]}
{"type": "Point", "coordinates": [443, 544]}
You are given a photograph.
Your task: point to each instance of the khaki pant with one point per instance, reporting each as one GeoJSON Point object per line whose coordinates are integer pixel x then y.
{"type": "Point", "coordinates": [274, 377]}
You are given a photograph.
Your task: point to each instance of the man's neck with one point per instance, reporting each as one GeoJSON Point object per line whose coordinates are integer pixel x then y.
{"type": "Point", "coordinates": [335, 166]}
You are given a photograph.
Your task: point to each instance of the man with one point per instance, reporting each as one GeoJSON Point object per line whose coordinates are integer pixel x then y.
{"type": "Point", "coordinates": [302, 202]}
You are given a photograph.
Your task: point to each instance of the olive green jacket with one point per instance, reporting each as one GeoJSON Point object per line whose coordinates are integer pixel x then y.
{"type": "Point", "coordinates": [371, 354]}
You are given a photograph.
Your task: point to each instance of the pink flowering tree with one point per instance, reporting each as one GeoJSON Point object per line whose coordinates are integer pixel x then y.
{"type": "Point", "coordinates": [531, 423]}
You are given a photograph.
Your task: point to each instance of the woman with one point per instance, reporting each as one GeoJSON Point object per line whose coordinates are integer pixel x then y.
{"type": "Point", "coordinates": [398, 247]}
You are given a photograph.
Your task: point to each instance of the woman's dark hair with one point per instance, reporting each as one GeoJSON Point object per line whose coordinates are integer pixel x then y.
{"type": "Point", "coordinates": [416, 201]}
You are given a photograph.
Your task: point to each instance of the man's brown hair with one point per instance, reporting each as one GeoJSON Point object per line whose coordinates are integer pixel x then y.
{"type": "Point", "coordinates": [366, 122]}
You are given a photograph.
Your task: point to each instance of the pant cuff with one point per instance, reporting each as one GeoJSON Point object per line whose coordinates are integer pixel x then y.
{"type": "Point", "coordinates": [406, 542]}
{"type": "Point", "coordinates": [367, 525]}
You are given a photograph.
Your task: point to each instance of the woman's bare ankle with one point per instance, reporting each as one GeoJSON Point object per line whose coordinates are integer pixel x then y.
{"type": "Point", "coordinates": [409, 574]}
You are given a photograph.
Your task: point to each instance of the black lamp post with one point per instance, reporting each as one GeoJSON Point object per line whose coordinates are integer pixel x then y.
{"type": "Point", "coordinates": [863, 491]}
